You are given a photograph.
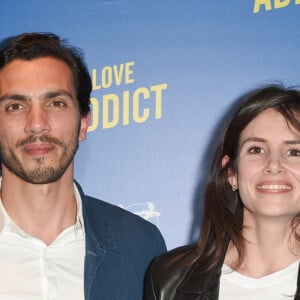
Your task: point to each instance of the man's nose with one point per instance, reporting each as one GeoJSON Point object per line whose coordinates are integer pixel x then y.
{"type": "Point", "coordinates": [37, 121]}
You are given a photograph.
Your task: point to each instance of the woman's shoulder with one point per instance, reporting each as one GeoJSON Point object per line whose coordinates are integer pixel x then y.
{"type": "Point", "coordinates": [173, 265]}
{"type": "Point", "coordinates": [183, 256]}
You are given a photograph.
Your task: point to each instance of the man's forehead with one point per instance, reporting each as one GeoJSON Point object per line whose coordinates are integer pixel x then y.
{"type": "Point", "coordinates": [44, 67]}
{"type": "Point", "coordinates": [39, 78]}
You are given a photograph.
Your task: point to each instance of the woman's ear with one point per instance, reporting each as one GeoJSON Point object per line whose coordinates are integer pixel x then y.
{"type": "Point", "coordinates": [231, 175]}
{"type": "Point", "coordinates": [225, 161]}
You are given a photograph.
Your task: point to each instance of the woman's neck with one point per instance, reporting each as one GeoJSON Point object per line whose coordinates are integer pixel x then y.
{"type": "Point", "coordinates": [270, 245]}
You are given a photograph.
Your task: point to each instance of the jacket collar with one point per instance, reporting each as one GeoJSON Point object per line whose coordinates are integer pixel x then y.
{"type": "Point", "coordinates": [206, 284]}
{"type": "Point", "coordinates": [201, 284]}
{"type": "Point", "coordinates": [99, 233]}
{"type": "Point", "coordinates": [297, 297]}
{"type": "Point", "coordinates": [100, 239]}
{"type": "Point", "coordinates": [198, 283]}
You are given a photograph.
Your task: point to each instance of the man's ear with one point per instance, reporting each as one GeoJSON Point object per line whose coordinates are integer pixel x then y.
{"type": "Point", "coordinates": [84, 124]}
{"type": "Point", "coordinates": [231, 175]}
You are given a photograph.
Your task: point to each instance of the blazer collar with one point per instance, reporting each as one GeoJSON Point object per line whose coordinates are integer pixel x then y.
{"type": "Point", "coordinates": [99, 239]}
{"type": "Point", "coordinates": [98, 232]}
{"type": "Point", "coordinates": [197, 282]}
{"type": "Point", "coordinates": [297, 297]}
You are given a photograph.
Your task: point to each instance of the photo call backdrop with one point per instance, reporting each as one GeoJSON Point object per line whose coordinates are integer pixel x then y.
{"type": "Point", "coordinates": [165, 74]}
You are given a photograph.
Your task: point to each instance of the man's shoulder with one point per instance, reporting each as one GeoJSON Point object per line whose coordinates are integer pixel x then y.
{"type": "Point", "coordinates": [93, 207]}
{"type": "Point", "coordinates": [112, 224]}
{"type": "Point", "coordinates": [117, 217]}
{"type": "Point", "coordinates": [108, 210]}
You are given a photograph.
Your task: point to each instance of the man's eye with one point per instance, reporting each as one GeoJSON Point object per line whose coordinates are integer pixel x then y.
{"type": "Point", "coordinates": [58, 103]}
{"type": "Point", "coordinates": [14, 107]}
{"type": "Point", "coordinates": [294, 152]}
{"type": "Point", "coordinates": [255, 150]}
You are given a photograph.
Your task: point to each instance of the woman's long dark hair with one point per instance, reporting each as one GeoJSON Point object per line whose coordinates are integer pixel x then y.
{"type": "Point", "coordinates": [223, 209]}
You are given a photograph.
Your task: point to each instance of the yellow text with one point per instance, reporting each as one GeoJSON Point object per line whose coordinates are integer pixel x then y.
{"type": "Point", "coordinates": [129, 107]}
{"type": "Point", "coordinates": [267, 4]}
{"type": "Point", "coordinates": [112, 75]}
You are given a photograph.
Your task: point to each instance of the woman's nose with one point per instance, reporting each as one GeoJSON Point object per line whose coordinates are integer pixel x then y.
{"type": "Point", "coordinates": [274, 164]}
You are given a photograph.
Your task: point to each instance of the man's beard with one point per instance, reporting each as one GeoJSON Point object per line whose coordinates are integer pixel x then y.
{"type": "Point", "coordinates": [40, 174]}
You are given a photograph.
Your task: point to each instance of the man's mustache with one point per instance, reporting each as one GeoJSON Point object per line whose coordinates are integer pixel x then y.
{"type": "Point", "coordinates": [35, 139]}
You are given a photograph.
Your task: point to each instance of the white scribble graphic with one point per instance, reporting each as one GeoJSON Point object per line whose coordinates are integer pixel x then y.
{"type": "Point", "coordinates": [145, 210]}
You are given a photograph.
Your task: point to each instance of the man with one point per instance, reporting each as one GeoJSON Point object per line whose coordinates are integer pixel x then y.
{"type": "Point", "coordinates": [56, 242]}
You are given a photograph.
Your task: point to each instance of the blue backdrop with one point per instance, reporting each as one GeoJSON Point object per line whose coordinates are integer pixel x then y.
{"type": "Point", "coordinates": [165, 73]}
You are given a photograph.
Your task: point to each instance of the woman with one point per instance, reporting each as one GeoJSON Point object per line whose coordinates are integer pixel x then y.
{"type": "Point", "coordinates": [250, 241]}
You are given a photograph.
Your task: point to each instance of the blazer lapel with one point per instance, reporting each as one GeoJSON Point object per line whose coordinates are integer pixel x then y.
{"type": "Point", "coordinates": [205, 285]}
{"type": "Point", "coordinates": [297, 296]}
{"type": "Point", "coordinates": [99, 238]}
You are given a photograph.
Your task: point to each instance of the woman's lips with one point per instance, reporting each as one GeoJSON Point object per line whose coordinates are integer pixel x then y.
{"type": "Point", "coordinates": [274, 187]}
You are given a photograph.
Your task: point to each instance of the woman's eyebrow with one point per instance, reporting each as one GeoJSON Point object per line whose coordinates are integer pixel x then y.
{"type": "Point", "coordinates": [261, 140]}
{"type": "Point", "coordinates": [252, 139]}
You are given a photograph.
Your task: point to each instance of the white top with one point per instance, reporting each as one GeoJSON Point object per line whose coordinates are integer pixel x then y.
{"type": "Point", "coordinates": [31, 270]}
{"type": "Point", "coordinates": [280, 285]}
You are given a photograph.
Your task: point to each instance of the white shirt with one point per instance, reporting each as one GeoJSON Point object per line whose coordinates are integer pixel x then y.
{"type": "Point", "coordinates": [280, 285]}
{"type": "Point", "coordinates": [31, 270]}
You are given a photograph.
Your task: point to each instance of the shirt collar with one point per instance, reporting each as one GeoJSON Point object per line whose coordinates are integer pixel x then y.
{"type": "Point", "coordinates": [79, 218]}
{"type": "Point", "coordinates": [6, 221]}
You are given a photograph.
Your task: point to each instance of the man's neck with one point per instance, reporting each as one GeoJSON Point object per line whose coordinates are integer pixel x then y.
{"type": "Point", "coordinates": [41, 210]}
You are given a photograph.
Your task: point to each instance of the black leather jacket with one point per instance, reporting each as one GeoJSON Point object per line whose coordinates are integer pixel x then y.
{"type": "Point", "coordinates": [176, 275]}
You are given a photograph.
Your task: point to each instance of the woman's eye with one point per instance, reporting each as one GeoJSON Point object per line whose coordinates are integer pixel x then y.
{"type": "Point", "coordinates": [294, 152]}
{"type": "Point", "coordinates": [14, 107]}
{"type": "Point", "coordinates": [255, 150]}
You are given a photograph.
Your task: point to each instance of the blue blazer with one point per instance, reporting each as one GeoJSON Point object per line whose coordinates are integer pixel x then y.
{"type": "Point", "coordinates": [119, 248]}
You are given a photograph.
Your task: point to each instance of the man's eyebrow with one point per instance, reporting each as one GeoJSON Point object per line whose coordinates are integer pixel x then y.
{"type": "Point", "coordinates": [13, 97]}
{"type": "Point", "coordinates": [54, 94]}
{"type": "Point", "coordinates": [293, 142]}
{"type": "Point", "coordinates": [46, 95]}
